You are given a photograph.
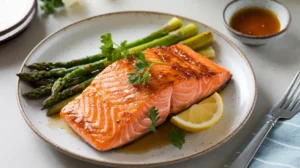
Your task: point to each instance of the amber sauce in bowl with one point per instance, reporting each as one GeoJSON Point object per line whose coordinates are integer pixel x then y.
{"type": "Point", "coordinates": [255, 21]}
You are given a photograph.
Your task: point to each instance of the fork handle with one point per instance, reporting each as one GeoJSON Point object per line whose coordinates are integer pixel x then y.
{"type": "Point", "coordinates": [247, 154]}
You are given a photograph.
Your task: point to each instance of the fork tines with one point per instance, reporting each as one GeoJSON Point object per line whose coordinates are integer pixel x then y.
{"type": "Point", "coordinates": [290, 100]}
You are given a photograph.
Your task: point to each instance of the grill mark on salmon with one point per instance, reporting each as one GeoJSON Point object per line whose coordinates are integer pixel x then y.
{"type": "Point", "coordinates": [111, 112]}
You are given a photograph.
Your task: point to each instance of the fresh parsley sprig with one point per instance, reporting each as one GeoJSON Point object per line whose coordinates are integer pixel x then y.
{"type": "Point", "coordinates": [176, 136]}
{"type": "Point", "coordinates": [48, 6]}
{"type": "Point", "coordinates": [153, 115]}
{"type": "Point", "coordinates": [113, 53]}
{"type": "Point", "coordinates": [142, 68]}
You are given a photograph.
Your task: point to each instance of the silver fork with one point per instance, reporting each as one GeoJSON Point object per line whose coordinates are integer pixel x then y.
{"type": "Point", "coordinates": [286, 108]}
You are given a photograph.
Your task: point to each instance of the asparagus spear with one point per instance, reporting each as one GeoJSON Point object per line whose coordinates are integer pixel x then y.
{"type": "Point", "coordinates": [43, 82]}
{"type": "Point", "coordinates": [198, 41]}
{"type": "Point", "coordinates": [39, 92]}
{"type": "Point", "coordinates": [66, 93]}
{"type": "Point", "coordinates": [173, 38]}
{"type": "Point", "coordinates": [38, 75]}
{"type": "Point", "coordinates": [83, 70]}
{"type": "Point", "coordinates": [57, 107]}
{"type": "Point", "coordinates": [81, 79]}
{"type": "Point", "coordinates": [46, 90]}
{"type": "Point", "coordinates": [208, 52]}
{"type": "Point", "coordinates": [72, 63]}
{"type": "Point", "coordinates": [172, 25]}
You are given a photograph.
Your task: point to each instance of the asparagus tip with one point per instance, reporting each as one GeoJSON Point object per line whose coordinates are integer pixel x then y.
{"type": "Point", "coordinates": [173, 24]}
{"type": "Point", "coordinates": [22, 76]}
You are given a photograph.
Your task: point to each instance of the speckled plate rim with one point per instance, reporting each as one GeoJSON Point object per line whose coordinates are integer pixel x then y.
{"type": "Point", "coordinates": [66, 151]}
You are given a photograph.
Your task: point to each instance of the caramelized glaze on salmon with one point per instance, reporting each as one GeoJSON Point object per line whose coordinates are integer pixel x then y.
{"type": "Point", "coordinates": [111, 112]}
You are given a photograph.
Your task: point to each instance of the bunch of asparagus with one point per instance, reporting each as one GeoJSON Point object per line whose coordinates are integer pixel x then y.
{"type": "Point", "coordinates": [63, 81]}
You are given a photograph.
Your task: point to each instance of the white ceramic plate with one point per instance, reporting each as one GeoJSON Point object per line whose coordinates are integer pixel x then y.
{"type": "Point", "coordinates": [13, 13]}
{"type": "Point", "coordinates": [18, 30]}
{"type": "Point", "coordinates": [82, 38]}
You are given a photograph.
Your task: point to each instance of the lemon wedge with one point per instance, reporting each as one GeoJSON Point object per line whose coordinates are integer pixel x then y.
{"type": "Point", "coordinates": [200, 116]}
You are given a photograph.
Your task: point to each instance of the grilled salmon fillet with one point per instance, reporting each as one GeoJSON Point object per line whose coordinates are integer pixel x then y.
{"type": "Point", "coordinates": [111, 112]}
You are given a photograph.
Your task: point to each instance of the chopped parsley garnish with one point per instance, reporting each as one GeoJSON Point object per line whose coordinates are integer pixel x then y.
{"type": "Point", "coordinates": [153, 115]}
{"type": "Point", "coordinates": [176, 136]}
{"type": "Point", "coordinates": [48, 6]}
{"type": "Point", "coordinates": [142, 67]}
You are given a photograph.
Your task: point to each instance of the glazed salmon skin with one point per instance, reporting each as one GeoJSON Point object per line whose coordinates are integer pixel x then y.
{"type": "Point", "coordinates": [111, 112]}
